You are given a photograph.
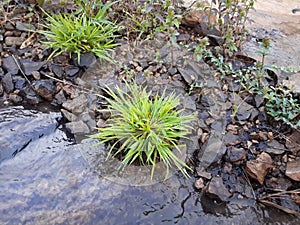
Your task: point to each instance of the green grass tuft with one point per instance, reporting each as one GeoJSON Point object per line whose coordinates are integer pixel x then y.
{"type": "Point", "coordinates": [145, 127]}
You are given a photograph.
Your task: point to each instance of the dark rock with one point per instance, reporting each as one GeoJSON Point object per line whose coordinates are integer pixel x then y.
{"type": "Point", "coordinates": [278, 183]}
{"type": "Point", "coordinates": [188, 75]}
{"type": "Point", "coordinates": [183, 37]}
{"type": "Point", "coordinates": [57, 70]}
{"type": "Point", "coordinates": [15, 98]}
{"type": "Point", "coordinates": [244, 111]}
{"type": "Point", "coordinates": [10, 41]}
{"type": "Point", "coordinates": [231, 139]}
{"type": "Point", "coordinates": [33, 99]}
{"type": "Point", "coordinates": [71, 71]}
{"type": "Point", "coordinates": [86, 117]}
{"type": "Point", "coordinates": [76, 105]}
{"type": "Point", "coordinates": [10, 65]}
{"type": "Point", "coordinates": [217, 190]}
{"type": "Point", "coordinates": [203, 115]}
{"type": "Point", "coordinates": [24, 26]}
{"type": "Point", "coordinates": [143, 63]}
{"type": "Point", "coordinates": [60, 97]}
{"type": "Point", "coordinates": [69, 116]}
{"type": "Point", "coordinates": [293, 170]}
{"type": "Point", "coordinates": [213, 149]}
{"type": "Point", "coordinates": [259, 100]}
{"type": "Point", "coordinates": [29, 66]}
{"type": "Point", "coordinates": [7, 83]}
{"type": "Point", "coordinates": [1, 72]}
{"type": "Point", "coordinates": [172, 71]}
{"type": "Point", "coordinates": [274, 147]}
{"type": "Point", "coordinates": [1, 89]}
{"type": "Point", "coordinates": [259, 168]}
{"type": "Point", "coordinates": [20, 83]}
{"type": "Point", "coordinates": [87, 59]}
{"type": "Point", "coordinates": [9, 26]}
{"type": "Point", "coordinates": [78, 127]}
{"type": "Point", "coordinates": [236, 155]}
{"type": "Point", "coordinates": [45, 89]}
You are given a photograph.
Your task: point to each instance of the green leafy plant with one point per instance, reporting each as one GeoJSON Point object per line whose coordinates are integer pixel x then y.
{"type": "Point", "coordinates": [145, 127]}
{"type": "Point", "coordinates": [79, 34]}
{"type": "Point", "coordinates": [282, 106]}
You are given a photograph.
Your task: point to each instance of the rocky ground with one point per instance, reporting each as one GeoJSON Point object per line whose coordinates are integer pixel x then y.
{"type": "Point", "coordinates": [235, 155]}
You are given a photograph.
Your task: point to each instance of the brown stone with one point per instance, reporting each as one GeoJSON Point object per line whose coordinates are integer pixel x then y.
{"type": "Point", "coordinates": [293, 170]}
{"type": "Point", "coordinates": [259, 168]}
{"type": "Point", "coordinates": [9, 41]}
{"type": "Point", "coordinates": [293, 141]}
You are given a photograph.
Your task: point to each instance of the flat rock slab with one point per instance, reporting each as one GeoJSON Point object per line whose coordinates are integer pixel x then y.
{"type": "Point", "coordinates": [293, 170]}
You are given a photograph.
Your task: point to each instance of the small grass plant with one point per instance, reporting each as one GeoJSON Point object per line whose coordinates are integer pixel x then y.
{"type": "Point", "coordinates": [145, 127]}
{"type": "Point", "coordinates": [80, 32]}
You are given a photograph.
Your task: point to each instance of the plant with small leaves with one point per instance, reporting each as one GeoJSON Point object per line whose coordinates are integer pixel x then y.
{"type": "Point", "coordinates": [145, 127]}
{"type": "Point", "coordinates": [282, 106]}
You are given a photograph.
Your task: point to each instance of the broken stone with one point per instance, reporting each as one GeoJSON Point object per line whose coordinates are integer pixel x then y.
{"type": "Point", "coordinates": [15, 98]}
{"type": "Point", "coordinates": [259, 100]}
{"type": "Point", "coordinates": [293, 170]}
{"type": "Point", "coordinates": [236, 155]}
{"type": "Point", "coordinates": [87, 59]}
{"type": "Point", "coordinates": [69, 116]}
{"type": "Point", "coordinates": [45, 88]}
{"type": "Point", "coordinates": [76, 105]}
{"type": "Point", "coordinates": [293, 141]}
{"type": "Point", "coordinates": [36, 75]}
{"type": "Point", "coordinates": [29, 66]}
{"type": "Point", "coordinates": [77, 127]}
{"type": "Point", "coordinates": [274, 147]}
{"type": "Point", "coordinates": [259, 136]}
{"type": "Point", "coordinates": [57, 70]}
{"type": "Point", "coordinates": [204, 174]}
{"type": "Point", "coordinates": [194, 17]}
{"type": "Point", "coordinates": [7, 83]}
{"type": "Point", "coordinates": [231, 139]}
{"type": "Point", "coordinates": [183, 37]}
{"type": "Point", "coordinates": [10, 65]}
{"type": "Point", "coordinates": [217, 190]}
{"type": "Point", "coordinates": [60, 97]}
{"type": "Point", "coordinates": [1, 89]}
{"type": "Point", "coordinates": [244, 111]}
{"type": "Point", "coordinates": [24, 26]}
{"type": "Point", "coordinates": [232, 128]}
{"type": "Point", "coordinates": [71, 71]}
{"type": "Point", "coordinates": [259, 168]}
{"type": "Point", "coordinates": [278, 183]}
{"type": "Point", "coordinates": [199, 184]}
{"type": "Point", "coordinates": [10, 41]}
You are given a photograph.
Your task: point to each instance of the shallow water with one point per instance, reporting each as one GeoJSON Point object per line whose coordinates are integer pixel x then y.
{"type": "Point", "coordinates": [50, 182]}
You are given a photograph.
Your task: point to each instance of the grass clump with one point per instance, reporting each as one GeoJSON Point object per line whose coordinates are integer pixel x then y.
{"type": "Point", "coordinates": [145, 128]}
{"type": "Point", "coordinates": [80, 33]}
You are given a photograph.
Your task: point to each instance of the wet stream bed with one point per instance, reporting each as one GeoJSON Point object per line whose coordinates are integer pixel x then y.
{"type": "Point", "coordinates": [50, 182]}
